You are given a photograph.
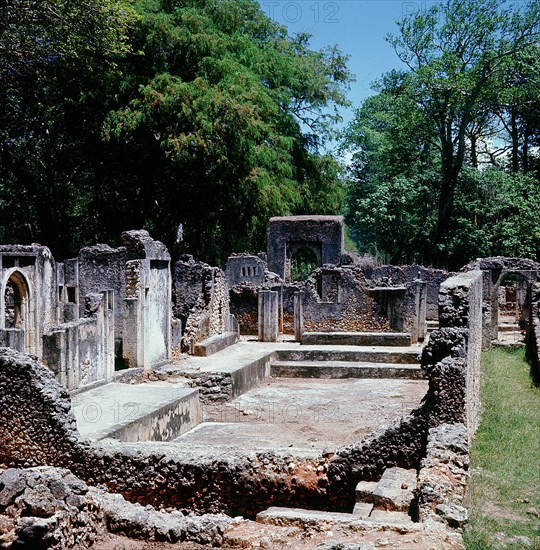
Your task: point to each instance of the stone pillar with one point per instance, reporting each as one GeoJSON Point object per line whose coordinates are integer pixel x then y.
{"type": "Point", "coordinates": [298, 316]}
{"type": "Point", "coordinates": [268, 315]}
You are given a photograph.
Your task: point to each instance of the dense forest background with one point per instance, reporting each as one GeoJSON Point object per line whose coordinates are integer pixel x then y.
{"type": "Point", "coordinates": [118, 114]}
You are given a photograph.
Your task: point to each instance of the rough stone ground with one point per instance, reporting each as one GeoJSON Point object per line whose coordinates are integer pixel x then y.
{"type": "Point", "coordinates": [306, 413]}
{"type": "Point", "coordinates": [249, 534]}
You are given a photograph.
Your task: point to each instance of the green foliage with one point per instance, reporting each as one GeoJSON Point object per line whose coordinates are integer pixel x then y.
{"type": "Point", "coordinates": [505, 454]}
{"type": "Point", "coordinates": [419, 188]}
{"type": "Point", "coordinates": [203, 112]}
{"type": "Point", "coordinates": [303, 263]}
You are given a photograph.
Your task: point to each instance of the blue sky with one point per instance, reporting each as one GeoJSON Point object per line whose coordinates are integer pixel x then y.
{"type": "Point", "coordinates": [358, 27]}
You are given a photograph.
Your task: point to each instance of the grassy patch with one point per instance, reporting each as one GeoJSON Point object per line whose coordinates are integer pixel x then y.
{"type": "Point", "coordinates": [505, 458]}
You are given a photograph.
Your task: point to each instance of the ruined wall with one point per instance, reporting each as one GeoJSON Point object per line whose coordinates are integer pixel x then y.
{"type": "Point", "coordinates": [37, 427]}
{"type": "Point", "coordinates": [47, 508]}
{"type": "Point", "coordinates": [460, 305]}
{"type": "Point", "coordinates": [451, 361]}
{"type": "Point", "coordinates": [244, 306]}
{"type": "Point", "coordinates": [339, 299]}
{"type": "Point", "coordinates": [51, 508]}
{"type": "Point", "coordinates": [147, 301]}
{"type": "Point", "coordinates": [400, 275]}
{"type": "Point", "coordinates": [495, 271]}
{"type": "Point", "coordinates": [99, 268]}
{"type": "Point", "coordinates": [201, 301]}
{"type": "Point", "coordinates": [31, 272]}
{"type": "Point", "coordinates": [245, 268]}
{"type": "Point", "coordinates": [444, 474]}
{"type": "Point", "coordinates": [533, 331]}
{"type": "Point", "coordinates": [82, 352]}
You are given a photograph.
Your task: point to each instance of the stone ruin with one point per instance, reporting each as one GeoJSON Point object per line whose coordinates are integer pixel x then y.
{"type": "Point", "coordinates": [119, 374]}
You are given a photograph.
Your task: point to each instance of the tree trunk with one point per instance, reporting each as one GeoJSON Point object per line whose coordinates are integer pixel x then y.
{"type": "Point", "coordinates": [514, 133]}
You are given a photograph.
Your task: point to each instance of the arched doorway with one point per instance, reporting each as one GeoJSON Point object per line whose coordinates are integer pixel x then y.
{"type": "Point", "coordinates": [17, 310]}
{"type": "Point", "coordinates": [303, 262]}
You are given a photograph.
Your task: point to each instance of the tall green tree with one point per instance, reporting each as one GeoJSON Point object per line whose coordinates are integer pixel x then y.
{"type": "Point", "coordinates": [455, 53]}
{"type": "Point", "coordinates": [201, 112]}
{"type": "Point", "coordinates": [54, 58]}
{"type": "Point", "coordinates": [234, 110]}
{"type": "Point", "coordinates": [419, 185]}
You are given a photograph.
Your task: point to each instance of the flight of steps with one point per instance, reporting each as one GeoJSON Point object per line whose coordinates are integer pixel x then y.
{"type": "Point", "coordinates": [388, 499]}
{"type": "Point", "coordinates": [383, 502]}
{"type": "Point", "coordinates": [348, 363]}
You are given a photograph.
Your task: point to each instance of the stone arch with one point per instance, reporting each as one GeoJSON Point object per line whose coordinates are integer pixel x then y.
{"type": "Point", "coordinates": [17, 309]}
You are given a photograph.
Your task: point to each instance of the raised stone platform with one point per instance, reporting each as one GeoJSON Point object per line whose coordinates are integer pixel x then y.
{"type": "Point", "coordinates": [215, 344]}
{"type": "Point", "coordinates": [137, 412]}
{"type": "Point", "coordinates": [356, 338]}
{"type": "Point", "coordinates": [344, 369]}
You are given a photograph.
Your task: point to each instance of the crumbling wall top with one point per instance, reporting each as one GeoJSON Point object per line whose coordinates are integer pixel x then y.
{"type": "Point", "coordinates": [139, 244]}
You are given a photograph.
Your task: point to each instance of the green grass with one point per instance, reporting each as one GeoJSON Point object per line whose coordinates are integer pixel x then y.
{"type": "Point", "coordinates": [505, 457]}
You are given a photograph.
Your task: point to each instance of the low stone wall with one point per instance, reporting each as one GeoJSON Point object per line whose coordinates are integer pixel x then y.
{"type": "Point", "coordinates": [443, 477]}
{"type": "Point", "coordinates": [403, 443]}
{"type": "Point", "coordinates": [533, 332]}
{"type": "Point", "coordinates": [38, 428]}
{"type": "Point", "coordinates": [451, 361]}
{"type": "Point", "coordinates": [460, 305]}
{"type": "Point", "coordinates": [47, 508]}
{"type": "Point", "coordinates": [51, 508]}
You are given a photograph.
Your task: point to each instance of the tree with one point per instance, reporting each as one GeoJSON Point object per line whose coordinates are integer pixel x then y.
{"type": "Point", "coordinates": [53, 57]}
{"type": "Point", "coordinates": [420, 187]}
{"type": "Point", "coordinates": [197, 111]}
{"type": "Point", "coordinates": [234, 111]}
{"type": "Point", "coordinates": [393, 178]}
{"type": "Point", "coordinates": [455, 53]}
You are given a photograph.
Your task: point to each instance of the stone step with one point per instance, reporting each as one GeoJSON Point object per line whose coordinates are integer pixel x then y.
{"type": "Point", "coordinates": [364, 491]}
{"type": "Point", "coordinates": [509, 327]}
{"type": "Point", "coordinates": [357, 338]}
{"type": "Point", "coordinates": [362, 509]}
{"type": "Point", "coordinates": [432, 325]}
{"type": "Point", "coordinates": [137, 412]}
{"type": "Point", "coordinates": [395, 490]}
{"type": "Point", "coordinates": [215, 343]}
{"type": "Point", "coordinates": [402, 356]}
{"type": "Point", "coordinates": [344, 369]}
{"type": "Point", "coordinates": [299, 517]}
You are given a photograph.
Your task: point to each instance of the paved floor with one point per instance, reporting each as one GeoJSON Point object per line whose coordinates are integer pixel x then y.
{"type": "Point", "coordinates": [306, 413]}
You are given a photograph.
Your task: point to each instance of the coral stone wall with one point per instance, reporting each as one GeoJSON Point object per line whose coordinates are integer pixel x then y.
{"type": "Point", "coordinates": [201, 301]}
{"type": "Point", "coordinates": [533, 331]}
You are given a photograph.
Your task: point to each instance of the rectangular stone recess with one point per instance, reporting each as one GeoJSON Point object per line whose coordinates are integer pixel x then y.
{"type": "Point", "coordinates": [138, 412]}
{"type": "Point", "coordinates": [357, 338]}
